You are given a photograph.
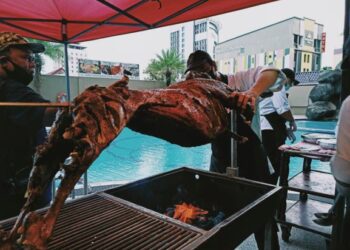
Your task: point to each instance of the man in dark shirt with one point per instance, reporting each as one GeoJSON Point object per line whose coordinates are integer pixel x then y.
{"type": "Point", "coordinates": [20, 127]}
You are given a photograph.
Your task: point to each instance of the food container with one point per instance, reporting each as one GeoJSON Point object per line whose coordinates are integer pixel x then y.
{"type": "Point", "coordinates": [327, 143]}
{"type": "Point", "coordinates": [314, 137]}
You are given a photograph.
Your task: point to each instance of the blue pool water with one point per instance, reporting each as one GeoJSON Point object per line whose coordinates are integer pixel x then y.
{"type": "Point", "coordinates": [133, 156]}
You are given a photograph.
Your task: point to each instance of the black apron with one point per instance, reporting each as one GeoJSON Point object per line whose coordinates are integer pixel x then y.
{"type": "Point", "coordinates": [251, 156]}
{"type": "Point", "coordinates": [278, 123]}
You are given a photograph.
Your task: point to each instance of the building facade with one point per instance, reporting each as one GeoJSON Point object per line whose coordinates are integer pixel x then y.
{"type": "Point", "coordinates": [292, 43]}
{"type": "Point", "coordinates": [200, 34]}
{"type": "Point", "coordinates": [75, 53]}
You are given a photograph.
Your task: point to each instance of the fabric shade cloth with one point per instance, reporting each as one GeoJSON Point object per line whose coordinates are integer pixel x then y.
{"type": "Point", "coordinates": [84, 20]}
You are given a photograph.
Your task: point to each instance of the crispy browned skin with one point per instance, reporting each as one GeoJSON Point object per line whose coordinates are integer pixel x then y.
{"type": "Point", "coordinates": [188, 113]}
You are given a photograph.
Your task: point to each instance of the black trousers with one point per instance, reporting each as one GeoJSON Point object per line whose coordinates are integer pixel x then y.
{"type": "Point", "coordinates": [252, 163]}
{"type": "Point", "coordinates": [12, 200]}
{"type": "Point", "coordinates": [251, 156]}
{"type": "Point", "coordinates": [272, 140]}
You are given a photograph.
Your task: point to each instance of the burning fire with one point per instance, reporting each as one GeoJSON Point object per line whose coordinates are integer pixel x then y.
{"type": "Point", "coordinates": [187, 212]}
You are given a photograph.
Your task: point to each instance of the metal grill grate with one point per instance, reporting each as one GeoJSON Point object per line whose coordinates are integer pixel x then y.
{"type": "Point", "coordinates": [96, 222]}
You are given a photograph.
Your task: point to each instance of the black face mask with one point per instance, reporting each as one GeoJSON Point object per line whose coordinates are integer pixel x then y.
{"type": "Point", "coordinates": [212, 74]}
{"type": "Point", "coordinates": [19, 74]}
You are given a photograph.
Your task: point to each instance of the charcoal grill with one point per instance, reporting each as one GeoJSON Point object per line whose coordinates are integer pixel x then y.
{"type": "Point", "coordinates": [131, 216]}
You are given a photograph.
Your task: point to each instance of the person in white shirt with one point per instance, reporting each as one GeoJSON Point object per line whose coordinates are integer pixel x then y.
{"type": "Point", "coordinates": [251, 83]}
{"type": "Point", "coordinates": [274, 113]}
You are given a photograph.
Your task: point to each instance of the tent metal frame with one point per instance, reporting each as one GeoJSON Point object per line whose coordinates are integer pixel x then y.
{"type": "Point", "coordinates": [107, 21]}
{"type": "Point", "coordinates": [64, 25]}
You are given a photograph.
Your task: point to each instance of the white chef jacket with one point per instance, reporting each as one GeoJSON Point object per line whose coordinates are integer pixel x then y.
{"type": "Point", "coordinates": [278, 102]}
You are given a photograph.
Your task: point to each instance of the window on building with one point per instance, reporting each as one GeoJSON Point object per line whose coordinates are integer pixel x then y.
{"type": "Point", "coordinates": [175, 41]}
{"type": "Point", "coordinates": [297, 40]}
{"type": "Point", "coordinates": [203, 27]}
{"type": "Point", "coordinates": [304, 58]}
{"type": "Point", "coordinates": [199, 28]}
{"type": "Point", "coordinates": [201, 45]}
{"type": "Point", "coordinates": [196, 29]}
{"type": "Point", "coordinates": [317, 45]}
{"type": "Point", "coordinates": [196, 47]}
{"type": "Point", "coordinates": [308, 58]}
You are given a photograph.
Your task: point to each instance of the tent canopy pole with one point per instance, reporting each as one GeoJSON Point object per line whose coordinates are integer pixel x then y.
{"type": "Point", "coordinates": [345, 88]}
{"type": "Point", "coordinates": [66, 67]}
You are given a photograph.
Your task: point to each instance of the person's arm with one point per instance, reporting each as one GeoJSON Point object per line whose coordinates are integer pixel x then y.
{"type": "Point", "coordinates": [263, 82]}
{"type": "Point", "coordinates": [49, 116]}
{"type": "Point", "coordinates": [280, 102]}
{"type": "Point", "coordinates": [292, 125]}
{"type": "Point", "coordinates": [254, 82]}
{"type": "Point", "coordinates": [281, 105]}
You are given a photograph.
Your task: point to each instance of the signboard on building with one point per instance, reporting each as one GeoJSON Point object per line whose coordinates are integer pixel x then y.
{"type": "Point", "coordinates": [309, 38]}
{"type": "Point", "coordinates": [105, 68]}
{"type": "Point", "coordinates": [323, 42]}
{"type": "Point", "coordinates": [89, 66]}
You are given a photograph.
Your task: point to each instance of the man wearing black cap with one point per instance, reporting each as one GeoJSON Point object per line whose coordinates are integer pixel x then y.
{"type": "Point", "coordinates": [20, 127]}
{"type": "Point", "coordinates": [274, 114]}
{"type": "Point", "coordinates": [291, 81]}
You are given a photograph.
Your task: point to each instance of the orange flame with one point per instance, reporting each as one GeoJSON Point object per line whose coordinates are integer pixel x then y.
{"type": "Point", "coordinates": [187, 212]}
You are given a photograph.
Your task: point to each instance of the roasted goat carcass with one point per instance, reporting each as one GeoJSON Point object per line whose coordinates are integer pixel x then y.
{"type": "Point", "coordinates": [189, 113]}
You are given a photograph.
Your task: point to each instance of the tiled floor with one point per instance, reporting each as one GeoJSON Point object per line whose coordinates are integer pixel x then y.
{"type": "Point", "coordinates": [299, 240]}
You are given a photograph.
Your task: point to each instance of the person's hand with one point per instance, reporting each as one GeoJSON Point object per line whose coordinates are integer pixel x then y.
{"type": "Point", "coordinates": [290, 135]}
{"type": "Point", "coordinates": [243, 99]}
{"type": "Point", "coordinates": [293, 126]}
{"type": "Point", "coordinates": [290, 131]}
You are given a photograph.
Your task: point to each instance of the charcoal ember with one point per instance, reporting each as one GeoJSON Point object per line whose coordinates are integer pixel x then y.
{"type": "Point", "coordinates": [209, 221]}
{"type": "Point", "coordinates": [169, 211]}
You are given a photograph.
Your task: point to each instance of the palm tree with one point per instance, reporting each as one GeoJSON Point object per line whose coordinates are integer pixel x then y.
{"type": "Point", "coordinates": [52, 50]}
{"type": "Point", "coordinates": [166, 66]}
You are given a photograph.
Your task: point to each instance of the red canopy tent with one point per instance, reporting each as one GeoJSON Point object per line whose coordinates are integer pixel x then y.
{"type": "Point", "coordinates": [84, 20]}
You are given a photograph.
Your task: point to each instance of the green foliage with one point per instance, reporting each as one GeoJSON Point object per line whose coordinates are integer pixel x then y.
{"type": "Point", "coordinates": [165, 67]}
{"type": "Point", "coordinates": [52, 50]}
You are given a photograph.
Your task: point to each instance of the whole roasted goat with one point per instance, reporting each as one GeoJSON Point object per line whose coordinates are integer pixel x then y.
{"type": "Point", "coordinates": [188, 113]}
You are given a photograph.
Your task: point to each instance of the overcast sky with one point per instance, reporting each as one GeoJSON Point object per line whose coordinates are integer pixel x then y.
{"type": "Point", "coordinates": [142, 46]}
